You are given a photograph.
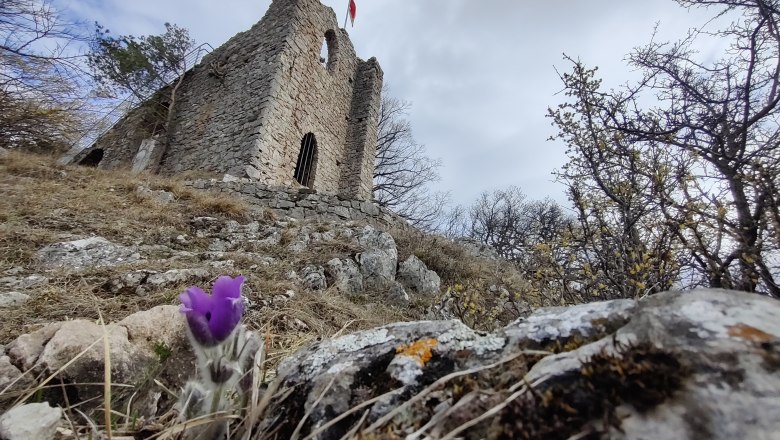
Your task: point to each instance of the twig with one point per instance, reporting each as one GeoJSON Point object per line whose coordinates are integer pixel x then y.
{"type": "Point", "coordinates": [106, 377]}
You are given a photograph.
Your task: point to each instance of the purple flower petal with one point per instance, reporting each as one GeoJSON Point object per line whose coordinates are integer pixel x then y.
{"type": "Point", "coordinates": [211, 319]}
{"type": "Point", "coordinates": [199, 327]}
{"type": "Point", "coordinates": [226, 311]}
{"type": "Point", "coordinates": [196, 299]}
{"type": "Point", "coordinates": [227, 287]}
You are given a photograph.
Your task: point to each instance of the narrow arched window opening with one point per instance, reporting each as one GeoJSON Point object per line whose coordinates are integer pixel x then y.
{"type": "Point", "coordinates": [93, 158]}
{"type": "Point", "coordinates": [307, 159]}
{"type": "Point", "coordinates": [329, 51]}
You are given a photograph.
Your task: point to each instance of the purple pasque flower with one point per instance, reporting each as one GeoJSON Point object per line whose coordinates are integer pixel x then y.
{"type": "Point", "coordinates": [212, 318]}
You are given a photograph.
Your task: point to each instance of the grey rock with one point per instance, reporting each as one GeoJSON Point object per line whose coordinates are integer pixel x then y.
{"type": "Point", "coordinates": [222, 265]}
{"type": "Point", "coordinates": [128, 282]}
{"type": "Point", "coordinates": [16, 283]}
{"type": "Point", "coordinates": [700, 364]}
{"type": "Point", "coordinates": [34, 421]}
{"type": "Point", "coordinates": [220, 245]}
{"type": "Point", "coordinates": [370, 238]}
{"type": "Point", "coordinates": [159, 196]}
{"type": "Point", "coordinates": [346, 276]}
{"type": "Point", "coordinates": [378, 268]}
{"type": "Point", "coordinates": [13, 299]}
{"type": "Point", "coordinates": [170, 278]}
{"type": "Point", "coordinates": [414, 274]}
{"type": "Point", "coordinates": [206, 224]}
{"type": "Point", "coordinates": [397, 294]}
{"type": "Point", "coordinates": [379, 261]}
{"type": "Point", "coordinates": [300, 243]}
{"type": "Point", "coordinates": [11, 378]}
{"type": "Point", "coordinates": [313, 277]}
{"type": "Point", "coordinates": [133, 343]}
{"type": "Point", "coordinates": [142, 282]}
{"type": "Point", "coordinates": [478, 249]}
{"type": "Point", "coordinates": [85, 253]}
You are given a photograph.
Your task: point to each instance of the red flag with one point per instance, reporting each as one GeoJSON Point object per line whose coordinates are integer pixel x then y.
{"type": "Point", "coordinates": [352, 11]}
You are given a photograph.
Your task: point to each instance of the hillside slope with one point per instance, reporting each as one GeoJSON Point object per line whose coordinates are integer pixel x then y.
{"type": "Point", "coordinates": [178, 236]}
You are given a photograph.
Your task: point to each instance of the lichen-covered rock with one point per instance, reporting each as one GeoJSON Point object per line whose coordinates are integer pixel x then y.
{"type": "Point", "coordinates": [313, 277]}
{"type": "Point", "coordinates": [346, 276]}
{"type": "Point", "coordinates": [13, 299]}
{"type": "Point", "coordinates": [414, 274]}
{"type": "Point", "coordinates": [378, 269]}
{"type": "Point", "coordinates": [701, 364]}
{"type": "Point", "coordinates": [85, 253]}
{"type": "Point", "coordinates": [142, 282]}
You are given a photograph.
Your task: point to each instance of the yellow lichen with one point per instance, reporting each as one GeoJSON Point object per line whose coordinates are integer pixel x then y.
{"type": "Point", "coordinates": [749, 333]}
{"type": "Point", "coordinates": [420, 350]}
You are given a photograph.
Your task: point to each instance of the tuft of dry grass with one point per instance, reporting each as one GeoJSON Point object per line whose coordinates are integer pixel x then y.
{"type": "Point", "coordinates": [220, 205]}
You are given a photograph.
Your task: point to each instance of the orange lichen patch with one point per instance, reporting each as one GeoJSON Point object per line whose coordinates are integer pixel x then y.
{"type": "Point", "coordinates": [420, 350]}
{"type": "Point", "coordinates": [752, 334]}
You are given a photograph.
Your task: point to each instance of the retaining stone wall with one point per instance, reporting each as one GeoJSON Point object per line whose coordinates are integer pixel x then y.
{"type": "Point", "coordinates": [304, 203]}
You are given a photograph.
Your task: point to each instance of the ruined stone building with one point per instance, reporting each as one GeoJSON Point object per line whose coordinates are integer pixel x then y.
{"type": "Point", "coordinates": [264, 106]}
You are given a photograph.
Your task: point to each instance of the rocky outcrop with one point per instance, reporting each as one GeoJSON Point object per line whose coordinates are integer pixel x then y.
{"type": "Point", "coordinates": [413, 274]}
{"type": "Point", "coordinates": [346, 276]}
{"type": "Point", "coordinates": [84, 253]}
{"type": "Point", "coordinates": [143, 281]}
{"type": "Point", "coordinates": [675, 365]}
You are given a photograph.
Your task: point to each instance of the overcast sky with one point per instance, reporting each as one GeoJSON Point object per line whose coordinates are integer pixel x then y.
{"type": "Point", "coordinates": [480, 73]}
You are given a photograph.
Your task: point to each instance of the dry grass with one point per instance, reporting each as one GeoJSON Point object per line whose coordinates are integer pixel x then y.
{"type": "Point", "coordinates": [484, 293]}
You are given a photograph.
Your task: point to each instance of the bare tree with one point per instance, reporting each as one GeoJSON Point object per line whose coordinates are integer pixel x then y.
{"type": "Point", "coordinates": [705, 159]}
{"type": "Point", "coordinates": [42, 83]}
{"type": "Point", "coordinates": [403, 170]}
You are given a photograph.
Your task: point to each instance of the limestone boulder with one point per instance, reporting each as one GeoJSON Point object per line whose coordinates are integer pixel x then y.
{"type": "Point", "coordinates": [346, 275]}
{"type": "Point", "coordinates": [84, 253]}
{"type": "Point", "coordinates": [138, 345]}
{"type": "Point", "coordinates": [377, 268]}
{"type": "Point", "coordinates": [11, 379]}
{"type": "Point", "coordinates": [700, 364]}
{"type": "Point", "coordinates": [34, 421]}
{"type": "Point", "coordinates": [13, 299]}
{"type": "Point", "coordinates": [313, 277]}
{"type": "Point", "coordinates": [415, 275]}
{"type": "Point", "coordinates": [142, 282]}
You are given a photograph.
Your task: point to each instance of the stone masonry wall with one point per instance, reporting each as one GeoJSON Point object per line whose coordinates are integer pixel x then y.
{"type": "Point", "coordinates": [305, 204]}
{"type": "Point", "coordinates": [246, 107]}
{"type": "Point", "coordinates": [357, 179]}
{"type": "Point", "coordinates": [311, 98]}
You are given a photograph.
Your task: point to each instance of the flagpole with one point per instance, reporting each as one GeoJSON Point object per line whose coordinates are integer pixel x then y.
{"type": "Point", "coordinates": [347, 16]}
